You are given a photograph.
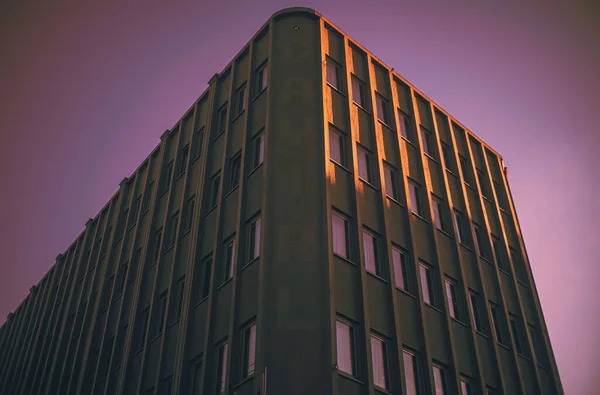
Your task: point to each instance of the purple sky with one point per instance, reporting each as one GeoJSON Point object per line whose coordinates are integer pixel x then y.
{"type": "Point", "coordinates": [86, 93]}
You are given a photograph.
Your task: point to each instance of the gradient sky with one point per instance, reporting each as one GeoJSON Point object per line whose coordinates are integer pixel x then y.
{"type": "Point", "coordinates": [87, 91]}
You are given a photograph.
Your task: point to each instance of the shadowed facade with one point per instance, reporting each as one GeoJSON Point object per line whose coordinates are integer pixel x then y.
{"type": "Point", "coordinates": [313, 214]}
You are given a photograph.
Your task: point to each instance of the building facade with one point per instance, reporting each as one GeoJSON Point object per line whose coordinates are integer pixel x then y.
{"type": "Point", "coordinates": [313, 224]}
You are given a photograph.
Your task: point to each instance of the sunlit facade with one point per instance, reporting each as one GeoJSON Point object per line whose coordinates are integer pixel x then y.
{"type": "Point", "coordinates": [313, 224]}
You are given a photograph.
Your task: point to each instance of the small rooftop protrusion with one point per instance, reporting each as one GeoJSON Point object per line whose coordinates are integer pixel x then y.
{"type": "Point", "coordinates": [213, 78]}
{"type": "Point", "coordinates": [165, 134]}
{"type": "Point", "coordinates": [123, 181]}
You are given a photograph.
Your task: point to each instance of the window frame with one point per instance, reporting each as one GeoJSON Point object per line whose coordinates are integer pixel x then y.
{"type": "Point", "coordinates": [261, 78]}
{"type": "Point", "coordinates": [248, 369]}
{"type": "Point", "coordinates": [221, 368]}
{"type": "Point", "coordinates": [437, 207]}
{"type": "Point", "coordinates": [414, 373]}
{"type": "Point", "coordinates": [451, 291]}
{"type": "Point", "coordinates": [240, 99]}
{"type": "Point", "coordinates": [359, 88]}
{"type": "Point", "coordinates": [235, 170]}
{"type": "Point", "coordinates": [183, 159]}
{"type": "Point", "coordinates": [376, 254]}
{"type": "Point", "coordinates": [215, 182]}
{"type": "Point", "coordinates": [427, 270]}
{"type": "Point", "coordinates": [221, 120]}
{"type": "Point", "coordinates": [404, 125]}
{"type": "Point", "coordinates": [353, 338]}
{"type": "Point", "coordinates": [497, 324]}
{"type": "Point", "coordinates": [382, 105]}
{"type": "Point", "coordinates": [365, 154]}
{"type": "Point", "coordinates": [346, 224]}
{"type": "Point", "coordinates": [403, 273]}
{"type": "Point", "coordinates": [173, 228]}
{"type": "Point", "coordinates": [229, 260]}
{"type": "Point", "coordinates": [340, 139]}
{"type": "Point", "coordinates": [426, 141]}
{"type": "Point", "coordinates": [384, 361]}
{"type": "Point", "coordinates": [474, 306]}
{"type": "Point", "coordinates": [258, 149]}
{"type": "Point", "coordinates": [415, 202]}
{"type": "Point", "coordinates": [332, 65]}
{"type": "Point", "coordinates": [390, 172]}
{"type": "Point", "coordinates": [253, 248]}
{"type": "Point", "coordinates": [443, 379]}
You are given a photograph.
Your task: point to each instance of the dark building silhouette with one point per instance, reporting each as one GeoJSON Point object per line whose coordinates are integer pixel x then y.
{"type": "Point", "coordinates": [312, 215]}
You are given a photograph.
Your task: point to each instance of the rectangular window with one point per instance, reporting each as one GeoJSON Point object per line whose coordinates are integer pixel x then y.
{"type": "Point", "coordinates": [439, 379]}
{"type": "Point", "coordinates": [404, 125]}
{"type": "Point", "coordinates": [465, 388]}
{"type": "Point", "coordinates": [339, 227]}
{"type": "Point", "coordinates": [497, 324]}
{"type": "Point", "coordinates": [162, 313]}
{"type": "Point", "coordinates": [258, 150]}
{"type": "Point", "coordinates": [204, 278]}
{"type": "Point", "coordinates": [334, 74]}
{"type": "Point", "coordinates": [516, 331]}
{"type": "Point", "coordinates": [399, 260]}
{"type": "Point", "coordinates": [426, 141]}
{"type": "Point", "coordinates": [157, 241]}
{"type": "Point", "coordinates": [254, 240]}
{"type": "Point", "coordinates": [173, 229]}
{"type": "Point", "coordinates": [240, 99]}
{"type": "Point", "coordinates": [475, 312]}
{"type": "Point", "coordinates": [382, 109]}
{"type": "Point", "coordinates": [364, 165]}
{"type": "Point", "coordinates": [499, 254]}
{"type": "Point", "coordinates": [379, 361]}
{"type": "Point", "coordinates": [358, 92]}
{"type": "Point", "coordinates": [390, 182]}
{"type": "Point", "coordinates": [465, 169]}
{"type": "Point", "coordinates": [336, 146]}
{"type": "Point", "coordinates": [222, 120]}
{"type": "Point", "coordinates": [438, 217]}
{"type": "Point", "coordinates": [234, 179]}
{"type": "Point", "coordinates": [479, 239]}
{"type": "Point", "coordinates": [346, 353]}
{"type": "Point", "coordinates": [222, 368]}
{"type": "Point", "coordinates": [189, 216]}
{"type": "Point", "coordinates": [147, 197]}
{"type": "Point", "coordinates": [261, 79]}
{"type": "Point", "coordinates": [142, 328]}
{"type": "Point", "coordinates": [179, 298]}
{"type": "Point", "coordinates": [135, 210]}
{"type": "Point", "coordinates": [415, 200]}
{"type": "Point", "coordinates": [196, 382]}
{"type": "Point", "coordinates": [249, 351]}
{"type": "Point", "coordinates": [410, 373]}
{"type": "Point", "coordinates": [214, 197]}
{"type": "Point", "coordinates": [120, 285]}
{"type": "Point", "coordinates": [446, 154]}
{"type": "Point", "coordinates": [183, 159]}
{"type": "Point", "coordinates": [370, 253]}
{"type": "Point", "coordinates": [168, 172]}
{"type": "Point", "coordinates": [482, 183]}
{"type": "Point", "coordinates": [452, 297]}
{"type": "Point", "coordinates": [426, 284]}
{"type": "Point", "coordinates": [229, 259]}
{"type": "Point", "coordinates": [197, 143]}
{"type": "Point", "coordinates": [459, 224]}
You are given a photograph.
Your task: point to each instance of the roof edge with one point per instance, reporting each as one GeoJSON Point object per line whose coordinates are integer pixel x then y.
{"type": "Point", "coordinates": [295, 10]}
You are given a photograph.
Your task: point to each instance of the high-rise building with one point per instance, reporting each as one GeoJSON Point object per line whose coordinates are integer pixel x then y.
{"type": "Point", "coordinates": [313, 224]}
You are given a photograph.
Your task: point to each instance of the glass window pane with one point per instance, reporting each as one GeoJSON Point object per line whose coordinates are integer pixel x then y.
{"type": "Point", "coordinates": [339, 235]}
{"type": "Point", "coordinates": [344, 347]}
{"type": "Point", "coordinates": [424, 274]}
{"type": "Point", "coordinates": [403, 125]}
{"type": "Point", "coordinates": [335, 146]}
{"type": "Point", "coordinates": [370, 252]}
{"type": "Point", "coordinates": [414, 199]}
{"type": "Point", "coordinates": [399, 264]}
{"type": "Point", "coordinates": [363, 165]}
{"type": "Point", "coordinates": [377, 356]}
{"type": "Point", "coordinates": [410, 373]}
{"type": "Point", "coordinates": [438, 378]}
